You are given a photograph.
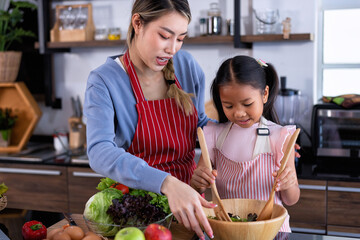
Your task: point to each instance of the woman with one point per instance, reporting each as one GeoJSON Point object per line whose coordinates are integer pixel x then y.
{"type": "Point", "coordinates": [143, 109]}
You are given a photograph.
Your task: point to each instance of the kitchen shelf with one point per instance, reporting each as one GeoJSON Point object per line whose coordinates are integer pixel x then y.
{"type": "Point", "coordinates": [277, 37]}
{"type": "Point", "coordinates": [194, 40]}
{"type": "Point", "coordinates": [114, 43]}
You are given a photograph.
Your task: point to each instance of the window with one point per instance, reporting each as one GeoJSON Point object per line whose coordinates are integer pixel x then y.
{"type": "Point", "coordinates": [339, 51]}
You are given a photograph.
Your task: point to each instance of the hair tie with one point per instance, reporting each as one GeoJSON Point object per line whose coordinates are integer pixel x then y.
{"type": "Point", "coordinates": [170, 82]}
{"type": "Point", "coordinates": [262, 63]}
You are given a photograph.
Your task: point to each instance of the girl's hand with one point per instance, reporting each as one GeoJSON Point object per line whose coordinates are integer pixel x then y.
{"type": "Point", "coordinates": [286, 180]}
{"type": "Point", "coordinates": [186, 205]}
{"type": "Point", "coordinates": [287, 183]}
{"type": "Point", "coordinates": [202, 178]}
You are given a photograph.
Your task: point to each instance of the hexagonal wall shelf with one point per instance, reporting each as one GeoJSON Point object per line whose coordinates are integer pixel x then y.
{"type": "Point", "coordinates": [17, 97]}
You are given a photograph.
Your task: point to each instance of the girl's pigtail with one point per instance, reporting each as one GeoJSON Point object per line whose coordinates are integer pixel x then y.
{"type": "Point", "coordinates": [272, 81]}
{"type": "Point", "coordinates": [182, 98]}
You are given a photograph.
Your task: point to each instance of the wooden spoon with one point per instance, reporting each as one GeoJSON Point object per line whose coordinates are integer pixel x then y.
{"type": "Point", "coordinates": [266, 212]}
{"type": "Point", "coordinates": [220, 212]}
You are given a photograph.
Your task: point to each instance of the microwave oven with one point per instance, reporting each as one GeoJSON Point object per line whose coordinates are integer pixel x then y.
{"type": "Point", "coordinates": [336, 136]}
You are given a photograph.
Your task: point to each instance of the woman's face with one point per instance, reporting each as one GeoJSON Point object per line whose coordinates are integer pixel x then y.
{"type": "Point", "coordinates": [159, 40]}
{"type": "Point", "coordinates": [243, 104]}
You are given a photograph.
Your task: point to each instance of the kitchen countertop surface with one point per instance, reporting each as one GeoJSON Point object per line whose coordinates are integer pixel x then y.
{"type": "Point", "coordinates": [54, 220]}
{"type": "Point", "coordinates": [179, 232]}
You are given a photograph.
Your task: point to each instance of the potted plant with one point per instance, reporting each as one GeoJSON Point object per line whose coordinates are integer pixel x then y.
{"type": "Point", "coordinates": [3, 200]}
{"type": "Point", "coordinates": [7, 121]}
{"type": "Point", "coordinates": [10, 16]}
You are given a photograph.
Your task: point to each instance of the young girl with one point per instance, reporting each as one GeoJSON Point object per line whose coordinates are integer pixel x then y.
{"type": "Point", "coordinates": [247, 146]}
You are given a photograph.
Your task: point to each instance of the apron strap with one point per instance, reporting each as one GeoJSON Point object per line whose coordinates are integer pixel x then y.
{"type": "Point", "coordinates": [221, 139]}
{"type": "Point", "coordinates": [262, 144]}
{"type": "Point", "coordinates": [135, 84]}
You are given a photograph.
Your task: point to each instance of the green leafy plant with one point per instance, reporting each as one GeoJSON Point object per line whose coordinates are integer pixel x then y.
{"type": "Point", "coordinates": [7, 120]}
{"type": "Point", "coordinates": [10, 15]}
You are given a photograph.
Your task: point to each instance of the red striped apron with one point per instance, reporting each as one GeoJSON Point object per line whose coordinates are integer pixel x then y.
{"type": "Point", "coordinates": [250, 180]}
{"type": "Point", "coordinates": [164, 137]}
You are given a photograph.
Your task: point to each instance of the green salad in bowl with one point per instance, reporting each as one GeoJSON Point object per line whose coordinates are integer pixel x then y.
{"type": "Point", "coordinates": [116, 206]}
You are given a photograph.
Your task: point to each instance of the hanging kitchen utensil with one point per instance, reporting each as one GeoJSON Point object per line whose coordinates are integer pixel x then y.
{"type": "Point", "coordinates": [266, 212]}
{"type": "Point", "coordinates": [220, 212]}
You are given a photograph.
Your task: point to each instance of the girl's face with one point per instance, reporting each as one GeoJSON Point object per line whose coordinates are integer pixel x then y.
{"type": "Point", "coordinates": [159, 40]}
{"type": "Point", "coordinates": [243, 104]}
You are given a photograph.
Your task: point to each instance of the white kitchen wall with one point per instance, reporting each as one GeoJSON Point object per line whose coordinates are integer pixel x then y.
{"type": "Point", "coordinates": [296, 60]}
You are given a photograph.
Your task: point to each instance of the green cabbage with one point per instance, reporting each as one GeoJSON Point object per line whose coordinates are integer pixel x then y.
{"type": "Point", "coordinates": [96, 208]}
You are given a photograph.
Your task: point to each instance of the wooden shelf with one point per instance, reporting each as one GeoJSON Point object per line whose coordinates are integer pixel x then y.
{"type": "Point", "coordinates": [194, 40]}
{"type": "Point", "coordinates": [17, 97]}
{"type": "Point", "coordinates": [93, 43]}
{"type": "Point", "coordinates": [210, 40]}
{"type": "Point", "coordinates": [277, 37]}
{"type": "Point", "coordinates": [114, 43]}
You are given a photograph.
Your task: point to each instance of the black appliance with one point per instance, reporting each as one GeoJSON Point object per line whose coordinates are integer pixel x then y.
{"type": "Point", "coordinates": [336, 138]}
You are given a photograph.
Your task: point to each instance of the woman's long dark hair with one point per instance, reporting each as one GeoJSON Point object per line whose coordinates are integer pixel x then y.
{"type": "Point", "coordinates": [246, 70]}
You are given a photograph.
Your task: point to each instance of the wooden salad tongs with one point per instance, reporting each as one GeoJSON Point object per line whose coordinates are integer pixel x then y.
{"type": "Point", "coordinates": [220, 212]}
{"type": "Point", "coordinates": [266, 212]}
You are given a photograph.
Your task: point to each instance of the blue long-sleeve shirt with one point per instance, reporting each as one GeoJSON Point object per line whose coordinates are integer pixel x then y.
{"type": "Point", "coordinates": [112, 119]}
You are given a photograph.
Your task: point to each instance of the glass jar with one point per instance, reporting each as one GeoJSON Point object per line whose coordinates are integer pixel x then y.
{"type": "Point", "coordinates": [114, 34]}
{"type": "Point", "coordinates": [230, 27]}
{"type": "Point", "coordinates": [101, 34]}
{"type": "Point", "coordinates": [214, 19]}
{"type": "Point", "coordinates": [203, 27]}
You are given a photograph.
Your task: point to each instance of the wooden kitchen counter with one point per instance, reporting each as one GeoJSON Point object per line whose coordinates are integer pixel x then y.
{"type": "Point", "coordinates": [179, 232]}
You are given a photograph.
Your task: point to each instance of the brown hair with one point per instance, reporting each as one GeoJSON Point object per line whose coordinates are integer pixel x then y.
{"type": "Point", "coordinates": [150, 10]}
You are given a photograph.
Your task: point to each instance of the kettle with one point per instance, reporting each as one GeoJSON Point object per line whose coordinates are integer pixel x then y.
{"type": "Point", "coordinates": [290, 104]}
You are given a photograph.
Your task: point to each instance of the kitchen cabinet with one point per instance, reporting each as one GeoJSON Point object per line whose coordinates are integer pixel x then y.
{"type": "Point", "coordinates": [309, 213]}
{"type": "Point", "coordinates": [327, 207]}
{"type": "Point", "coordinates": [343, 208]}
{"type": "Point", "coordinates": [82, 183]}
{"type": "Point", "coordinates": [36, 187]}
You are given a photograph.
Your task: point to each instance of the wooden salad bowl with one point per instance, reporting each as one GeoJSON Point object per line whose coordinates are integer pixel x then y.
{"type": "Point", "coordinates": [257, 230]}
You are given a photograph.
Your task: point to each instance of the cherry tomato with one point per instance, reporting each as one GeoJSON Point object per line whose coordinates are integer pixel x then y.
{"type": "Point", "coordinates": [124, 189]}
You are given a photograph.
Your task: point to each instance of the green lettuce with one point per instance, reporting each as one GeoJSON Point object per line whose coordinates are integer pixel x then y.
{"type": "Point", "coordinates": [105, 183]}
{"type": "Point", "coordinates": [157, 199]}
{"type": "Point", "coordinates": [96, 208]}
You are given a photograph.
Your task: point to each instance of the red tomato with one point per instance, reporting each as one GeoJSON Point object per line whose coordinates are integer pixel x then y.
{"type": "Point", "coordinates": [34, 230]}
{"type": "Point", "coordinates": [124, 189]}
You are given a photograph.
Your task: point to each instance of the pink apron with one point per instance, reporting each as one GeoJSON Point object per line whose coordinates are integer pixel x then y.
{"type": "Point", "coordinates": [164, 137]}
{"type": "Point", "coordinates": [250, 180]}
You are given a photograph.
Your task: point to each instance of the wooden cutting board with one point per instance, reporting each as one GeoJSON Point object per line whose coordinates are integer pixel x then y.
{"type": "Point", "coordinates": [179, 232]}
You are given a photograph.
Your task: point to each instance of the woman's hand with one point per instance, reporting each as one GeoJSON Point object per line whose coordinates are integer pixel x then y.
{"type": "Point", "coordinates": [202, 178]}
{"type": "Point", "coordinates": [186, 205]}
{"type": "Point", "coordinates": [297, 147]}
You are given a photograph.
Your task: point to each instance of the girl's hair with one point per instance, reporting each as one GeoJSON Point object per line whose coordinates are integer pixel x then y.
{"type": "Point", "coordinates": [151, 10]}
{"type": "Point", "coordinates": [246, 70]}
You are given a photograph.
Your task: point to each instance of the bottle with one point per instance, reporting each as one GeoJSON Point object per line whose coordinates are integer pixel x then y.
{"type": "Point", "coordinates": [203, 27]}
{"type": "Point", "coordinates": [214, 19]}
